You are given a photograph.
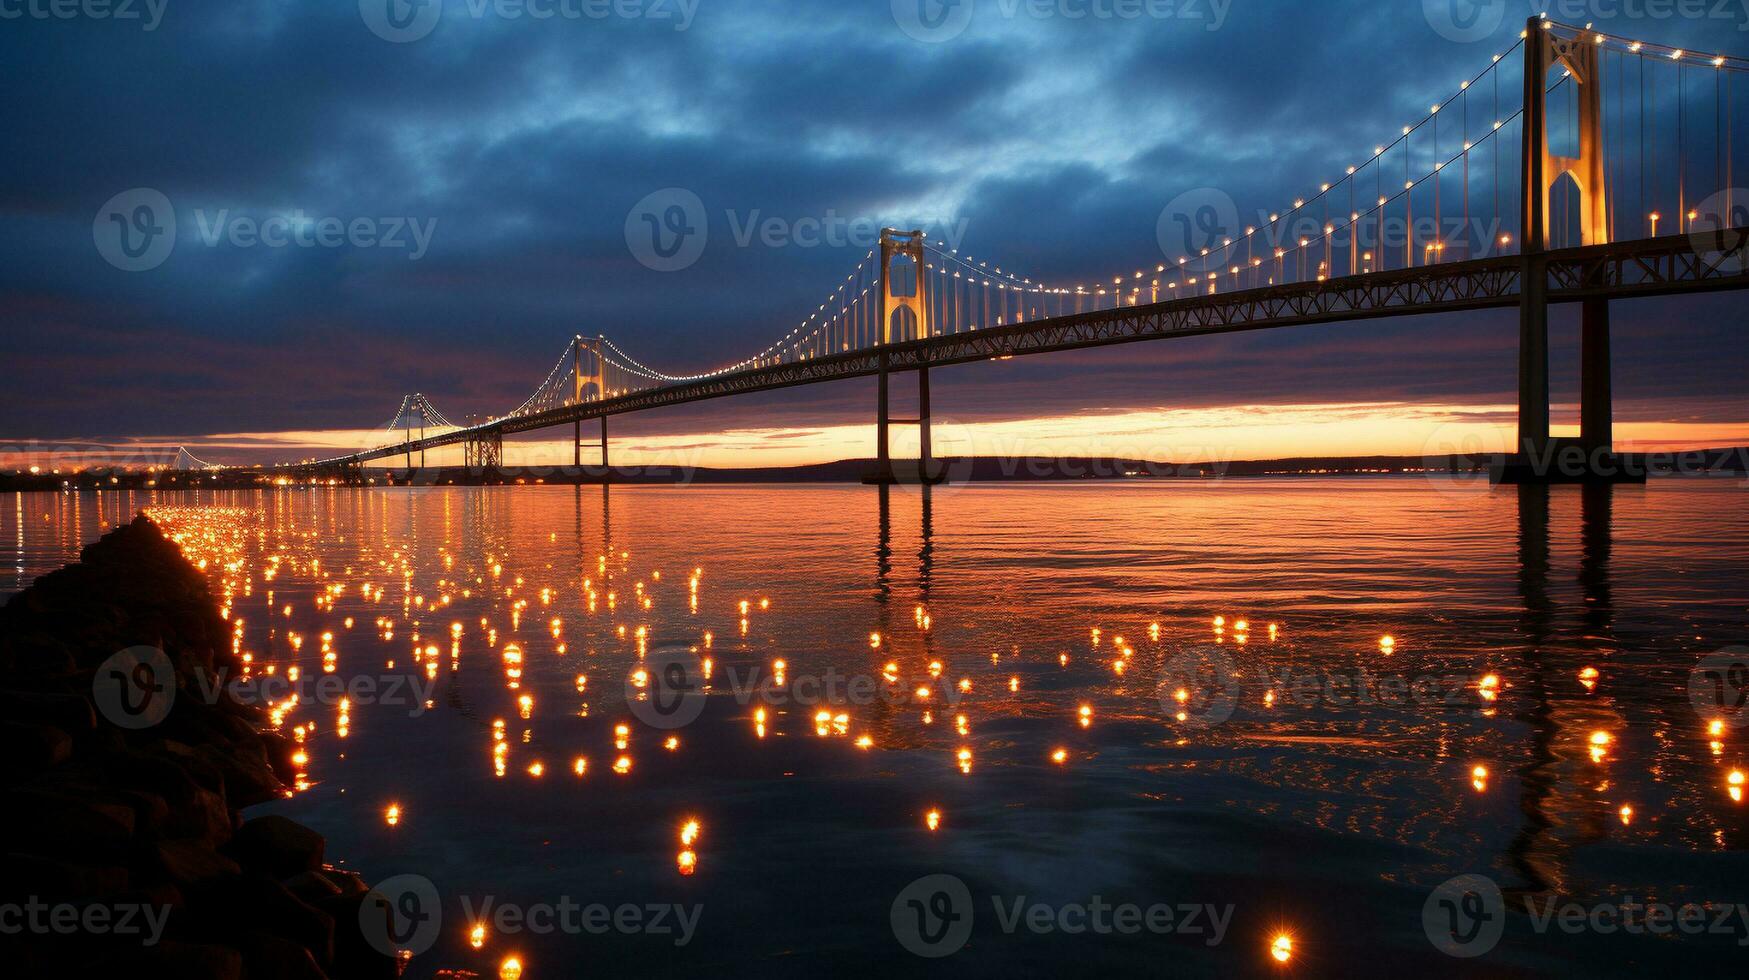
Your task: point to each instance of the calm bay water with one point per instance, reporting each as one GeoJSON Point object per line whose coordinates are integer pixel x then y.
{"type": "Point", "coordinates": [1049, 678]}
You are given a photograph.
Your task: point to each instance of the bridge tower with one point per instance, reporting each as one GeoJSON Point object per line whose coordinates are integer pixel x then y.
{"type": "Point", "coordinates": [586, 371]}
{"type": "Point", "coordinates": [1542, 170]}
{"type": "Point", "coordinates": [910, 308]}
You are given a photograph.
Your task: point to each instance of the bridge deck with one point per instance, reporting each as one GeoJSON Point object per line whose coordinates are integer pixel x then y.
{"type": "Point", "coordinates": [1651, 267]}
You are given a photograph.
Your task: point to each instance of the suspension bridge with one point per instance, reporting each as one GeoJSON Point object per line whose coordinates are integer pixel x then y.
{"type": "Point", "coordinates": [1603, 171]}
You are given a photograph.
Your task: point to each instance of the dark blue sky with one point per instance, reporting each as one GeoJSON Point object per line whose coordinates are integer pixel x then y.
{"type": "Point", "coordinates": [520, 144]}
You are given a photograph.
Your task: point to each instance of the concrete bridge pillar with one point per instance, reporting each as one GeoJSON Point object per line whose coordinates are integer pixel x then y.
{"type": "Point", "coordinates": [1536, 456]}
{"type": "Point", "coordinates": [895, 244]}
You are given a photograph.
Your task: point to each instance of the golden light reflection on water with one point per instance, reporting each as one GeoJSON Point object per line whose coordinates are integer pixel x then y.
{"type": "Point", "coordinates": [1562, 684]}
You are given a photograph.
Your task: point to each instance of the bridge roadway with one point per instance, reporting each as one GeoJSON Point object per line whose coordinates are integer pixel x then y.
{"type": "Point", "coordinates": [1623, 270]}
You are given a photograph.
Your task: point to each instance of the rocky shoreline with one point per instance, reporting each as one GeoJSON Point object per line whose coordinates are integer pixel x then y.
{"type": "Point", "coordinates": [127, 852]}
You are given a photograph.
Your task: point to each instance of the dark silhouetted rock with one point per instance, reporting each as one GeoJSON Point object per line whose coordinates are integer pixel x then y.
{"type": "Point", "coordinates": [278, 847]}
{"type": "Point", "coordinates": [269, 957]}
{"type": "Point", "coordinates": [193, 862]}
{"type": "Point", "coordinates": [31, 747]}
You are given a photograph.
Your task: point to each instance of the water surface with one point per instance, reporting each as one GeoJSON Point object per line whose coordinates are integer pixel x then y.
{"type": "Point", "coordinates": [1545, 636]}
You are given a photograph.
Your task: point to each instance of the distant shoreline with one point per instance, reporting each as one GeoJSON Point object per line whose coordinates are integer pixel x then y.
{"type": "Point", "coordinates": [1033, 469]}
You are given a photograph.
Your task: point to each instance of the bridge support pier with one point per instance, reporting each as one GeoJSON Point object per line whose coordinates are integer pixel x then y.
{"type": "Point", "coordinates": [1537, 457]}
{"type": "Point", "coordinates": [913, 305]}
{"type": "Point", "coordinates": [1596, 407]}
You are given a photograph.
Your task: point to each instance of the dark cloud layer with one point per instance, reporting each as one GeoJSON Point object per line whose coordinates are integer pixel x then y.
{"type": "Point", "coordinates": [1056, 140]}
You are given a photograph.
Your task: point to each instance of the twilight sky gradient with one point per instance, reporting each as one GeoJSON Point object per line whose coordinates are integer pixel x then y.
{"type": "Point", "coordinates": [1056, 141]}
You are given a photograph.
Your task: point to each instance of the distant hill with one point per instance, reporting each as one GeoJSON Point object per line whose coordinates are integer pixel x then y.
{"type": "Point", "coordinates": [982, 469]}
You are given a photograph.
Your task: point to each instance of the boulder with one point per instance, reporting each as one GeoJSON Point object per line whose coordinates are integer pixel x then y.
{"type": "Point", "coordinates": [269, 957]}
{"type": "Point", "coordinates": [32, 747]}
{"type": "Point", "coordinates": [249, 902]}
{"type": "Point", "coordinates": [193, 862]}
{"type": "Point", "coordinates": [278, 847]}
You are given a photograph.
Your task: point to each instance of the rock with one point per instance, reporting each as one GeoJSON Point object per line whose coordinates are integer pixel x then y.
{"type": "Point", "coordinates": [50, 822]}
{"type": "Point", "coordinates": [312, 887]}
{"type": "Point", "coordinates": [354, 956]}
{"type": "Point", "coordinates": [278, 847]}
{"type": "Point", "coordinates": [349, 883]}
{"type": "Point", "coordinates": [71, 713]}
{"type": "Point", "coordinates": [248, 779]}
{"type": "Point", "coordinates": [204, 816]}
{"type": "Point", "coordinates": [249, 902]}
{"type": "Point", "coordinates": [25, 875]}
{"type": "Point", "coordinates": [193, 862]}
{"type": "Point", "coordinates": [268, 957]}
{"type": "Point", "coordinates": [182, 961]}
{"type": "Point", "coordinates": [32, 747]}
